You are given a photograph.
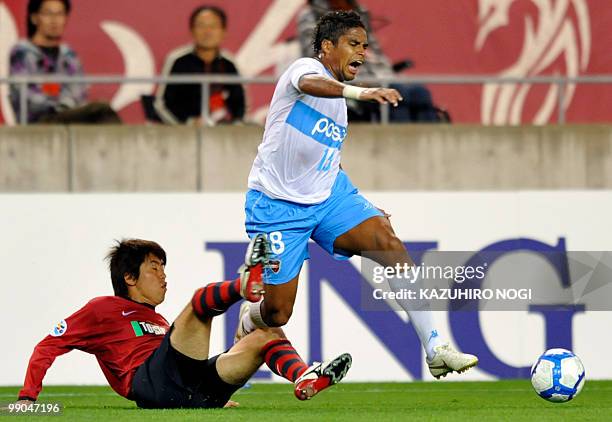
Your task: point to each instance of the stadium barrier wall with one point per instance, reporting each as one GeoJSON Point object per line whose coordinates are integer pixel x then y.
{"type": "Point", "coordinates": [393, 157]}
{"type": "Point", "coordinates": [53, 246]}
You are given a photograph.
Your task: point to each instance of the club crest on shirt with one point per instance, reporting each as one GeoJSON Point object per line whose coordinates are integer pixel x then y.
{"type": "Point", "coordinates": [274, 266]}
{"type": "Point", "coordinates": [59, 329]}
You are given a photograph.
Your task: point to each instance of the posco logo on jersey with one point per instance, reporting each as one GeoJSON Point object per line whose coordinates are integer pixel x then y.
{"type": "Point", "coordinates": [316, 125]}
{"type": "Point", "coordinates": [330, 129]}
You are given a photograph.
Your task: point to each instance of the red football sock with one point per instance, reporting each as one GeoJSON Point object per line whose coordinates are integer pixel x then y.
{"type": "Point", "coordinates": [215, 298]}
{"type": "Point", "coordinates": [283, 360]}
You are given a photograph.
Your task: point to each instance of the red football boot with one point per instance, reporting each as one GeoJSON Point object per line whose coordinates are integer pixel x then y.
{"type": "Point", "coordinates": [320, 376]}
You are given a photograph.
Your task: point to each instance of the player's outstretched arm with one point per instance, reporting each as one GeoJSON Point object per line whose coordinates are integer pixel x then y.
{"type": "Point", "coordinates": [73, 333]}
{"type": "Point", "coordinates": [42, 358]}
{"type": "Point", "coordinates": [380, 95]}
{"type": "Point", "coordinates": [320, 86]}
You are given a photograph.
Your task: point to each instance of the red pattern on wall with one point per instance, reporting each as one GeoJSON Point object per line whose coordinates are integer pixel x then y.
{"type": "Point", "coordinates": [464, 37]}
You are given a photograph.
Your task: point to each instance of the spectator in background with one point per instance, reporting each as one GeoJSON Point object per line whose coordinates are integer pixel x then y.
{"type": "Point", "coordinates": [417, 104]}
{"type": "Point", "coordinates": [181, 103]}
{"type": "Point", "coordinates": [43, 53]}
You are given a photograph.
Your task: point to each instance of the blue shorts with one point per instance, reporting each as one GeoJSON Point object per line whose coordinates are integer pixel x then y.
{"type": "Point", "coordinates": [289, 225]}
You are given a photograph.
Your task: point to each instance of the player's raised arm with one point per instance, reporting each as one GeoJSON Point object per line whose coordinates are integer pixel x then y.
{"type": "Point", "coordinates": [321, 86]}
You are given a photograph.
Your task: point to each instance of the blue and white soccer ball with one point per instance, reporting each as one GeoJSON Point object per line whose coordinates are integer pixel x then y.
{"type": "Point", "coordinates": [558, 375]}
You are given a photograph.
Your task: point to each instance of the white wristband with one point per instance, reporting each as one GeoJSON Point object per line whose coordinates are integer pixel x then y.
{"type": "Point", "coordinates": [353, 92]}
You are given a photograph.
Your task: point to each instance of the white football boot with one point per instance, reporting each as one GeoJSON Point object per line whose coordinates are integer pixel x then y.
{"type": "Point", "coordinates": [447, 360]}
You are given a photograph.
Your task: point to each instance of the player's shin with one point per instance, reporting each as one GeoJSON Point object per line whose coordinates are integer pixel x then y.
{"type": "Point", "coordinates": [420, 315]}
{"type": "Point", "coordinates": [283, 360]}
{"type": "Point", "coordinates": [215, 298]}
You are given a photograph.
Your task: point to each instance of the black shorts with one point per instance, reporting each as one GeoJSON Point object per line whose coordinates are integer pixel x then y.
{"type": "Point", "coordinates": [169, 379]}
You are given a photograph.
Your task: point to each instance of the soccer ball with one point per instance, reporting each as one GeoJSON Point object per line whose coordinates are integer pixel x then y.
{"type": "Point", "coordinates": [558, 375]}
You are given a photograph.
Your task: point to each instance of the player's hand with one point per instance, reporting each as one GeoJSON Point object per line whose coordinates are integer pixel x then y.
{"type": "Point", "coordinates": [25, 401]}
{"type": "Point", "coordinates": [381, 96]}
{"type": "Point", "coordinates": [385, 213]}
{"type": "Point", "coordinates": [231, 403]}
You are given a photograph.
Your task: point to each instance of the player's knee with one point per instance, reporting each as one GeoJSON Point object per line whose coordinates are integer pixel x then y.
{"type": "Point", "coordinates": [277, 317]}
{"type": "Point", "coordinates": [388, 241]}
{"type": "Point", "coordinates": [262, 336]}
{"type": "Point", "coordinates": [265, 335]}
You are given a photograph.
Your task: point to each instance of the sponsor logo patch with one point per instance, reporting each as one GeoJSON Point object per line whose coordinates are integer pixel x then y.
{"type": "Point", "coordinates": [316, 125]}
{"type": "Point", "coordinates": [146, 328]}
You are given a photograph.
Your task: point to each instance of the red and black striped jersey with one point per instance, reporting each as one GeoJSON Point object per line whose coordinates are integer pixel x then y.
{"type": "Point", "coordinates": [121, 333]}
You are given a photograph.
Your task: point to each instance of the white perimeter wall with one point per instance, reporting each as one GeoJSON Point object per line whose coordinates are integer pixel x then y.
{"type": "Point", "coordinates": [52, 250]}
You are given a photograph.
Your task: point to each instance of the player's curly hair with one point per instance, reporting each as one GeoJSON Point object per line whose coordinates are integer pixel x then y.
{"type": "Point", "coordinates": [333, 25]}
{"type": "Point", "coordinates": [125, 258]}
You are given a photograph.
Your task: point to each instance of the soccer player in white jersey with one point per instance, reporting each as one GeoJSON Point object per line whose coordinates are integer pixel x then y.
{"type": "Point", "coordinates": [298, 191]}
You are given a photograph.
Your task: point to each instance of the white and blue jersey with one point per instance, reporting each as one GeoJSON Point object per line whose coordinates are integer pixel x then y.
{"type": "Point", "coordinates": [299, 157]}
{"type": "Point", "coordinates": [297, 191]}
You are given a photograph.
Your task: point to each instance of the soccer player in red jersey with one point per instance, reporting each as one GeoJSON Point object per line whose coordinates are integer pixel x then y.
{"type": "Point", "coordinates": [158, 365]}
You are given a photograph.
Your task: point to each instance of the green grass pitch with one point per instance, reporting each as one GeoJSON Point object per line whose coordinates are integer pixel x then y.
{"type": "Point", "coordinates": [483, 401]}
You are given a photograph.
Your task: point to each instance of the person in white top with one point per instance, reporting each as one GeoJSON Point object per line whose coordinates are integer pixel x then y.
{"type": "Point", "coordinates": [298, 191]}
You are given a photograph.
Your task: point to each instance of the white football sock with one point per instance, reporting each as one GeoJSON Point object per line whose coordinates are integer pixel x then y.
{"type": "Point", "coordinates": [252, 320]}
{"type": "Point", "coordinates": [422, 321]}
{"type": "Point", "coordinates": [420, 315]}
